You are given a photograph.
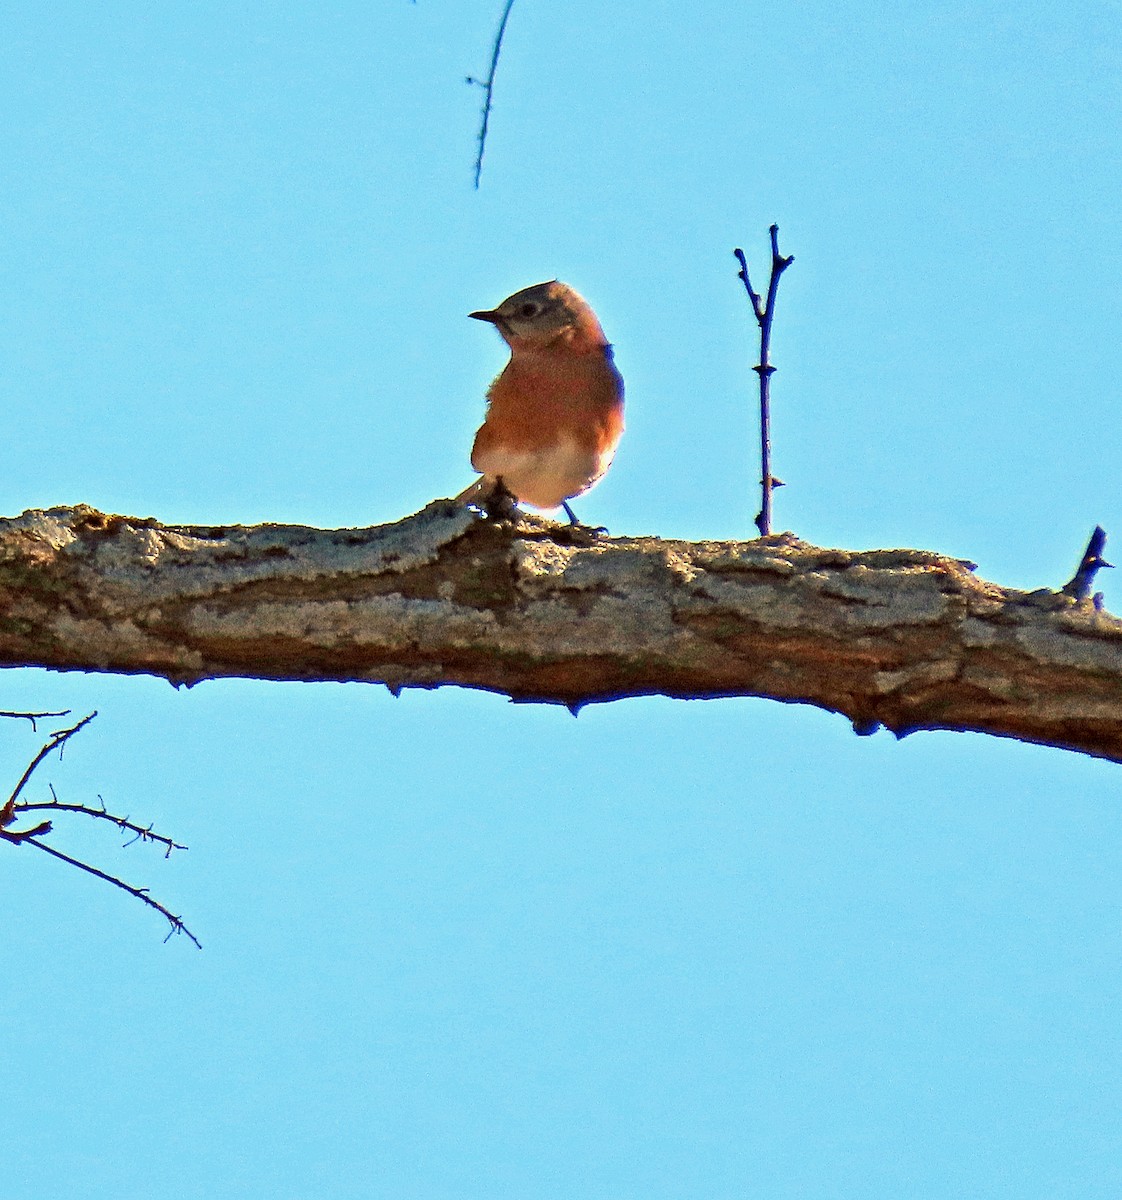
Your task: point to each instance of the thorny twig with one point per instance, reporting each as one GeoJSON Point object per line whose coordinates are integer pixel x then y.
{"type": "Point", "coordinates": [764, 314]}
{"type": "Point", "coordinates": [1079, 586]}
{"type": "Point", "coordinates": [488, 86]}
{"type": "Point", "coordinates": [141, 833]}
{"type": "Point", "coordinates": [30, 837]}
{"type": "Point", "coordinates": [176, 923]}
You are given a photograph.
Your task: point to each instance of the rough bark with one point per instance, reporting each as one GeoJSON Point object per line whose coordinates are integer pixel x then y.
{"type": "Point", "coordinates": [900, 638]}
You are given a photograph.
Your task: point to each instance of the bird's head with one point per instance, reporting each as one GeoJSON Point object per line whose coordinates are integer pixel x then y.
{"type": "Point", "coordinates": [539, 316]}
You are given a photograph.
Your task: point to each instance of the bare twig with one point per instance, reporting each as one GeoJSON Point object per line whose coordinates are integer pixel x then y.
{"type": "Point", "coordinates": [141, 833]}
{"type": "Point", "coordinates": [56, 741]}
{"type": "Point", "coordinates": [764, 314]}
{"type": "Point", "coordinates": [177, 925]}
{"type": "Point", "coordinates": [1079, 586]}
{"type": "Point", "coordinates": [10, 810]}
{"type": "Point", "coordinates": [20, 835]}
{"type": "Point", "coordinates": [488, 86]}
{"type": "Point", "coordinates": [35, 716]}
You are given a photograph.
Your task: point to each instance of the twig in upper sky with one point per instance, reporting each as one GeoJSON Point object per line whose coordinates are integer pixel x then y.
{"type": "Point", "coordinates": [488, 86]}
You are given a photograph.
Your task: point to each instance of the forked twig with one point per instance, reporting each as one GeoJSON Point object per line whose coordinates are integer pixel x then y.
{"type": "Point", "coordinates": [55, 741]}
{"type": "Point", "coordinates": [764, 314]}
{"type": "Point", "coordinates": [488, 86]}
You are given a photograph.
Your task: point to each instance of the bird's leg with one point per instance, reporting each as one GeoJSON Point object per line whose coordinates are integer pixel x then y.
{"type": "Point", "coordinates": [579, 525]}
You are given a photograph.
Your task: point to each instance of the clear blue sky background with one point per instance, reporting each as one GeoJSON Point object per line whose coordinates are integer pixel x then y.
{"type": "Point", "coordinates": [459, 948]}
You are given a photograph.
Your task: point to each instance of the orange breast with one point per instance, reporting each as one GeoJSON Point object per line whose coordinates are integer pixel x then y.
{"type": "Point", "coordinates": [540, 399]}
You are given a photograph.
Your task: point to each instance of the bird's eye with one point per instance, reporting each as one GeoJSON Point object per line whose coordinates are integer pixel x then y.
{"type": "Point", "coordinates": [528, 310]}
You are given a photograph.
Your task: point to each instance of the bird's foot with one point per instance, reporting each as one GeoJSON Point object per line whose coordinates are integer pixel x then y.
{"type": "Point", "coordinates": [574, 523]}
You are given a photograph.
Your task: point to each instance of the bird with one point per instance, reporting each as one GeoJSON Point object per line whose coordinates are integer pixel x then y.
{"type": "Point", "coordinates": [555, 412]}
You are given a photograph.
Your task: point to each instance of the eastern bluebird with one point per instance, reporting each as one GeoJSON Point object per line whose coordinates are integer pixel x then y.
{"type": "Point", "coordinates": [555, 412]}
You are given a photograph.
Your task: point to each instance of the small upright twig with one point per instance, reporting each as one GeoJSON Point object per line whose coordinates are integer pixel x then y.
{"type": "Point", "coordinates": [1079, 586]}
{"type": "Point", "coordinates": [764, 314]}
{"type": "Point", "coordinates": [488, 86]}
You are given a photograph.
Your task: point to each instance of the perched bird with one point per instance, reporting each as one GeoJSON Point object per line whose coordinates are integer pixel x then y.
{"type": "Point", "coordinates": [555, 412]}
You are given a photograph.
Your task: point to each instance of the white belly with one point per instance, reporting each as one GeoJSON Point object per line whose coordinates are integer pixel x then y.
{"type": "Point", "coordinates": [546, 476]}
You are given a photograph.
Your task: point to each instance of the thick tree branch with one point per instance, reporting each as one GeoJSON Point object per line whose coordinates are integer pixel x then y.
{"type": "Point", "coordinates": [900, 638]}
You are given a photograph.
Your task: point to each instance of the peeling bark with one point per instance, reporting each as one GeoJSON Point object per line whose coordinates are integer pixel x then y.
{"type": "Point", "coordinates": [900, 638]}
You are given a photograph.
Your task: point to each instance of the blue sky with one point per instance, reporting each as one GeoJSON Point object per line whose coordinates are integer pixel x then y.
{"type": "Point", "coordinates": [459, 948]}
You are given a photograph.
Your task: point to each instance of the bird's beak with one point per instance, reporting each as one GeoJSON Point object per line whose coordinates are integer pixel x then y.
{"type": "Point", "coordinates": [491, 315]}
